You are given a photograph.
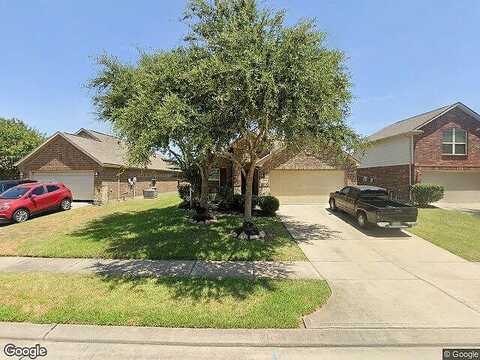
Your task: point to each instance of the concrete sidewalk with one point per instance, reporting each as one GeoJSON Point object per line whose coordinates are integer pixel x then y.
{"type": "Point", "coordinates": [181, 268]}
{"type": "Point", "coordinates": [82, 342]}
{"type": "Point", "coordinates": [324, 337]}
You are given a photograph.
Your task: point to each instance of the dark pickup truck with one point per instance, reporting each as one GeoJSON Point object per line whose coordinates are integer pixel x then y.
{"type": "Point", "coordinates": [371, 205]}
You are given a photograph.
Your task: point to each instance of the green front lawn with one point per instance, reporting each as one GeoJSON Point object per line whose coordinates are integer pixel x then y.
{"type": "Point", "coordinates": [167, 302]}
{"type": "Point", "coordinates": [454, 231]}
{"type": "Point", "coordinates": [143, 229]}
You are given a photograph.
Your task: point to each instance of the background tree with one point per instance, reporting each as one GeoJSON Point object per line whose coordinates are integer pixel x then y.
{"type": "Point", "coordinates": [17, 139]}
{"type": "Point", "coordinates": [279, 83]}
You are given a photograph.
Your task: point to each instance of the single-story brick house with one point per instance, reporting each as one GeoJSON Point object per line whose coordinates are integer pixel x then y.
{"type": "Point", "coordinates": [293, 177]}
{"type": "Point", "coordinates": [93, 165]}
{"type": "Point", "coordinates": [441, 146]}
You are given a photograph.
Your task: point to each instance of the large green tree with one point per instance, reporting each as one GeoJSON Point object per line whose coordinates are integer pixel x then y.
{"type": "Point", "coordinates": [279, 83]}
{"type": "Point", "coordinates": [17, 139]}
{"type": "Point", "coordinates": [165, 102]}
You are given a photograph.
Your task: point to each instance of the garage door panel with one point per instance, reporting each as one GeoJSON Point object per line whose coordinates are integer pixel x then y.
{"type": "Point", "coordinates": [305, 186]}
{"type": "Point", "coordinates": [80, 183]}
{"type": "Point", "coordinates": [460, 187]}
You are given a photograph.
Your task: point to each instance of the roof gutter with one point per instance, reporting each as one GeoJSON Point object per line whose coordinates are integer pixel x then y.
{"type": "Point", "coordinates": [407, 133]}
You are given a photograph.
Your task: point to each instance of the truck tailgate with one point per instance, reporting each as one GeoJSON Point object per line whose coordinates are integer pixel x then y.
{"type": "Point", "coordinates": [403, 214]}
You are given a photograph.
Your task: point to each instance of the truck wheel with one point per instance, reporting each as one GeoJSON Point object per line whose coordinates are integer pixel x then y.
{"type": "Point", "coordinates": [362, 220]}
{"type": "Point", "coordinates": [333, 206]}
{"type": "Point", "coordinates": [20, 215]}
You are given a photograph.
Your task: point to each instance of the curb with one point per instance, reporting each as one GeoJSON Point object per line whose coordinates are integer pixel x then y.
{"type": "Point", "coordinates": [308, 338]}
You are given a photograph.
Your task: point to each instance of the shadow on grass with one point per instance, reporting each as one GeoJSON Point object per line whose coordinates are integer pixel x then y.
{"type": "Point", "coordinates": [165, 233]}
{"type": "Point", "coordinates": [195, 288]}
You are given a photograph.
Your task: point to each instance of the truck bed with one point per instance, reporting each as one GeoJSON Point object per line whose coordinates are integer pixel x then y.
{"type": "Point", "coordinates": [391, 211]}
{"type": "Point", "coordinates": [383, 203]}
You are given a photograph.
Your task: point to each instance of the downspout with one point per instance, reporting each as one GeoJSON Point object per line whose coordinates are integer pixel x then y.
{"type": "Point", "coordinates": [410, 169]}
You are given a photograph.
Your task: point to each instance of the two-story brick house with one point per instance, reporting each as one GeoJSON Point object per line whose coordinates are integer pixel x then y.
{"type": "Point", "coordinates": [441, 146]}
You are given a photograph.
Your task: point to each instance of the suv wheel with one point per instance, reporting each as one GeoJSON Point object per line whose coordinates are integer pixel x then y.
{"type": "Point", "coordinates": [66, 204]}
{"type": "Point", "coordinates": [333, 206]}
{"type": "Point", "coordinates": [20, 215]}
{"type": "Point", "coordinates": [362, 220]}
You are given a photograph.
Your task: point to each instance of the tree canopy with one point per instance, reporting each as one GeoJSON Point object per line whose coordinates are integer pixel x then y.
{"type": "Point", "coordinates": [17, 139]}
{"type": "Point", "coordinates": [166, 102]}
{"type": "Point", "coordinates": [242, 74]}
{"type": "Point", "coordinates": [279, 83]}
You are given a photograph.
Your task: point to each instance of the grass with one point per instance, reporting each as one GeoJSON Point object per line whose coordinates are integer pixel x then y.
{"type": "Point", "coordinates": [143, 229]}
{"type": "Point", "coordinates": [166, 302]}
{"type": "Point", "coordinates": [454, 231]}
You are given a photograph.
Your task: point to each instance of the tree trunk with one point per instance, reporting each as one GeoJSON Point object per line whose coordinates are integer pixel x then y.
{"type": "Point", "coordinates": [249, 192]}
{"type": "Point", "coordinates": [205, 172]}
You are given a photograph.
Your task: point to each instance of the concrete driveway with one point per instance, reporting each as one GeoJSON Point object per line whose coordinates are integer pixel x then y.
{"type": "Point", "coordinates": [80, 204]}
{"type": "Point", "coordinates": [470, 208]}
{"type": "Point", "coordinates": [383, 278]}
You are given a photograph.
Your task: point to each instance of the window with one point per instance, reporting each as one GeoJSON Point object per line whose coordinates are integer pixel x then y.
{"type": "Point", "coordinates": [354, 192]}
{"type": "Point", "coordinates": [52, 188]}
{"type": "Point", "coordinates": [454, 142]}
{"type": "Point", "coordinates": [14, 193]}
{"type": "Point", "coordinates": [345, 190]}
{"type": "Point", "coordinates": [38, 191]}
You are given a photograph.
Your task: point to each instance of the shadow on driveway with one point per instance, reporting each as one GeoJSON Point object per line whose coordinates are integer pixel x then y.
{"type": "Point", "coordinates": [372, 231]}
{"type": "Point", "coordinates": [304, 232]}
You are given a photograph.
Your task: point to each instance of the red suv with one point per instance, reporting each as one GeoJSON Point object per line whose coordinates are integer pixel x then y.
{"type": "Point", "coordinates": [20, 202]}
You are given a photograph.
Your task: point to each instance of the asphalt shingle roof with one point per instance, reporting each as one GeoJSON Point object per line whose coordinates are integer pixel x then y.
{"type": "Point", "coordinates": [110, 150]}
{"type": "Point", "coordinates": [407, 125]}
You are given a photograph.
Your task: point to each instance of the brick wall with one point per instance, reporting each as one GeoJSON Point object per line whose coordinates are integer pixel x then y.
{"type": "Point", "coordinates": [392, 178]}
{"type": "Point", "coordinates": [428, 146]}
{"type": "Point", "coordinates": [58, 155]}
{"type": "Point", "coordinates": [114, 182]}
{"type": "Point", "coordinates": [61, 156]}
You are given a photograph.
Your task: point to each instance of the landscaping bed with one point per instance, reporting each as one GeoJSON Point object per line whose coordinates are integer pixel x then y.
{"type": "Point", "coordinates": [144, 229]}
{"type": "Point", "coordinates": [166, 302]}
{"type": "Point", "coordinates": [454, 231]}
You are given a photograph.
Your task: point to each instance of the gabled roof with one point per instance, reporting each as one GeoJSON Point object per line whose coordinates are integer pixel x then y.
{"type": "Point", "coordinates": [104, 149]}
{"type": "Point", "coordinates": [315, 162]}
{"type": "Point", "coordinates": [414, 123]}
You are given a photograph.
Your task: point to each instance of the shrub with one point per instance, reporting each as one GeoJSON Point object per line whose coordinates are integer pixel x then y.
{"type": "Point", "coordinates": [184, 191]}
{"type": "Point", "coordinates": [224, 195]}
{"type": "Point", "coordinates": [425, 194]}
{"type": "Point", "coordinates": [269, 204]}
{"type": "Point", "coordinates": [238, 202]}
{"type": "Point", "coordinates": [255, 201]}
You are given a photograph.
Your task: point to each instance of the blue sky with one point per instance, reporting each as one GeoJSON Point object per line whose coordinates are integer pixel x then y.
{"type": "Point", "coordinates": [405, 57]}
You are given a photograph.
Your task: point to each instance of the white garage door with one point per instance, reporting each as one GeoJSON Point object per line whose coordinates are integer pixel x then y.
{"type": "Point", "coordinates": [80, 183]}
{"type": "Point", "coordinates": [460, 187]}
{"type": "Point", "coordinates": [305, 186]}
